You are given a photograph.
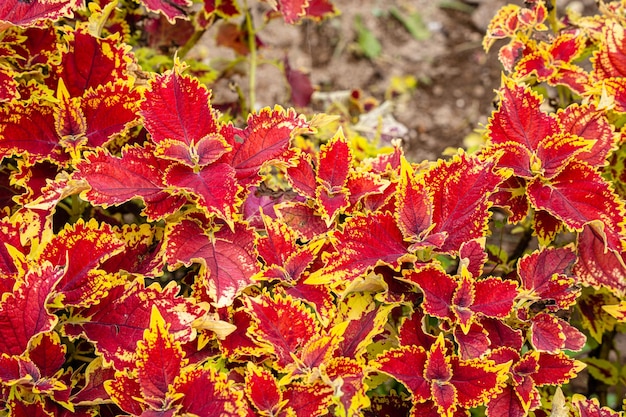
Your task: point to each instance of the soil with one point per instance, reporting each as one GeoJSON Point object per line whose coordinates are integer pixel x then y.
{"type": "Point", "coordinates": [456, 79]}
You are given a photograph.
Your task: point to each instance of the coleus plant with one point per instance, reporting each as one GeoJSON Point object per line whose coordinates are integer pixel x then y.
{"type": "Point", "coordinates": [160, 260]}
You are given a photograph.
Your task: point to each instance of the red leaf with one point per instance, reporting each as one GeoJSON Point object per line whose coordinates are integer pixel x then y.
{"type": "Point", "coordinates": [264, 140]}
{"type": "Point", "coordinates": [610, 58]}
{"type": "Point", "coordinates": [208, 392]}
{"type": "Point", "coordinates": [300, 83]}
{"type": "Point", "coordinates": [545, 275]}
{"type": "Point", "coordinates": [308, 400]}
{"type": "Point", "coordinates": [438, 288]}
{"type": "Point", "coordinates": [47, 353]}
{"type": "Point", "coordinates": [262, 390]}
{"type": "Point", "coordinates": [137, 174]}
{"type": "Point", "coordinates": [365, 242]}
{"type": "Point", "coordinates": [597, 265]}
{"type": "Point", "coordinates": [117, 323]}
{"type": "Point", "coordinates": [160, 359]}
{"type": "Point", "coordinates": [461, 189]}
{"type": "Point", "coordinates": [171, 9]}
{"type": "Point", "coordinates": [81, 248]}
{"type": "Point", "coordinates": [414, 205]}
{"type": "Point", "coordinates": [474, 344]}
{"type": "Point", "coordinates": [412, 331]}
{"type": "Point", "coordinates": [406, 364]}
{"type": "Point", "coordinates": [109, 110]}
{"type": "Point", "coordinates": [506, 404]}
{"type": "Point", "coordinates": [547, 333]}
{"type": "Point", "coordinates": [556, 369]}
{"type": "Point", "coordinates": [334, 163]}
{"type": "Point", "coordinates": [282, 325]}
{"type": "Point", "coordinates": [589, 123]}
{"type": "Point", "coordinates": [89, 61]}
{"type": "Point", "coordinates": [23, 313]}
{"type": "Point", "coordinates": [214, 187]}
{"type": "Point", "coordinates": [29, 131]}
{"type": "Point", "coordinates": [292, 10]}
{"type": "Point", "coordinates": [578, 195]}
{"type": "Point", "coordinates": [511, 195]}
{"type": "Point", "coordinates": [494, 297]}
{"type": "Point", "coordinates": [302, 177]}
{"type": "Point", "coordinates": [26, 13]}
{"type": "Point", "coordinates": [519, 117]}
{"type": "Point", "coordinates": [180, 120]}
{"type": "Point", "coordinates": [301, 218]}
{"type": "Point", "coordinates": [228, 257]}
{"type": "Point", "coordinates": [591, 408]}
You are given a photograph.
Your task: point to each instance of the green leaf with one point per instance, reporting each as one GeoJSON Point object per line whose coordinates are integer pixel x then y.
{"type": "Point", "coordinates": [370, 46]}
{"type": "Point", "coordinates": [412, 22]}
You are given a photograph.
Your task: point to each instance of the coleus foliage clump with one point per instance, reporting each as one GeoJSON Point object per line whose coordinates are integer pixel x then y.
{"type": "Point", "coordinates": [160, 260]}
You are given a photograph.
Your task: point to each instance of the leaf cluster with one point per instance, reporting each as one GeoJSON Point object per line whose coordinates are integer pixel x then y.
{"type": "Point", "coordinates": [160, 259]}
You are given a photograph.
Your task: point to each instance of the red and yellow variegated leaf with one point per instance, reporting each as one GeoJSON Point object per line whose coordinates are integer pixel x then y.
{"type": "Point", "coordinates": [301, 218]}
{"type": "Point", "coordinates": [591, 407]}
{"type": "Point", "coordinates": [556, 369]}
{"type": "Point", "coordinates": [93, 391]}
{"type": "Point", "coordinates": [406, 364]}
{"type": "Point", "coordinates": [29, 131]}
{"type": "Point", "coordinates": [137, 174]}
{"type": "Point", "coordinates": [609, 60]}
{"type": "Point", "coordinates": [109, 110]}
{"type": "Point", "coordinates": [516, 156]}
{"type": "Point", "coordinates": [262, 390]}
{"type": "Point", "coordinates": [412, 331]}
{"type": "Point", "coordinates": [365, 242]}
{"type": "Point", "coordinates": [125, 392]}
{"type": "Point", "coordinates": [547, 333]}
{"type": "Point", "coordinates": [347, 376]}
{"type": "Point", "coordinates": [519, 117]}
{"type": "Point", "coordinates": [603, 370]}
{"type": "Point", "coordinates": [597, 265]}
{"type": "Point", "coordinates": [334, 163]}
{"type": "Point", "coordinates": [223, 8]}
{"type": "Point", "coordinates": [511, 195]}
{"type": "Point", "coordinates": [461, 188]}
{"type": "Point", "coordinates": [500, 334]}
{"type": "Point", "coordinates": [302, 176]}
{"type": "Point", "coordinates": [23, 313]}
{"type": "Point", "coordinates": [116, 324]}
{"type": "Point", "coordinates": [393, 404]}
{"type": "Point", "coordinates": [494, 297]}
{"type": "Point", "coordinates": [264, 140]}
{"type": "Point", "coordinates": [546, 227]}
{"type": "Point", "coordinates": [589, 123]}
{"type": "Point", "coordinates": [438, 288]}
{"type": "Point", "coordinates": [438, 372]}
{"type": "Point", "coordinates": [228, 258]}
{"type": "Point", "coordinates": [475, 380]}
{"type": "Point", "coordinates": [27, 13]}
{"type": "Point", "coordinates": [473, 344]}
{"type": "Point", "coordinates": [8, 85]}
{"type": "Point", "coordinates": [19, 408]}
{"type": "Point", "coordinates": [362, 330]}
{"type": "Point", "coordinates": [81, 248]}
{"type": "Point", "coordinates": [70, 123]}
{"type": "Point", "coordinates": [181, 121]}
{"type": "Point", "coordinates": [331, 204]}
{"type": "Point", "coordinates": [171, 9]}
{"type": "Point", "coordinates": [554, 152]}
{"type": "Point", "coordinates": [284, 258]}
{"type": "Point", "coordinates": [143, 251]}
{"type": "Point", "coordinates": [208, 392]}
{"type": "Point", "coordinates": [544, 276]}
{"type": "Point", "coordinates": [214, 187]}
{"type": "Point", "coordinates": [292, 10]}
{"type": "Point", "coordinates": [307, 400]}
{"type": "Point", "coordinates": [282, 325]}
{"type": "Point", "coordinates": [160, 359]}
{"type": "Point", "coordinates": [593, 317]}
{"type": "Point", "coordinates": [362, 184]}
{"type": "Point", "coordinates": [472, 256]}
{"type": "Point", "coordinates": [239, 343]}
{"type": "Point", "coordinates": [507, 403]}
{"type": "Point", "coordinates": [414, 205]}
{"type": "Point", "coordinates": [88, 62]}
{"type": "Point", "coordinates": [578, 195]}
{"type": "Point", "coordinates": [47, 353]}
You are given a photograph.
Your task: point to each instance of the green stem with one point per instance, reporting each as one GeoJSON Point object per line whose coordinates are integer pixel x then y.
{"type": "Point", "coordinates": [253, 58]}
{"type": "Point", "coordinates": [191, 42]}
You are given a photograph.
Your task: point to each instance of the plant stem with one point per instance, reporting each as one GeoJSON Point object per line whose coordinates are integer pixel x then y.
{"type": "Point", "coordinates": [191, 42]}
{"type": "Point", "coordinates": [253, 58]}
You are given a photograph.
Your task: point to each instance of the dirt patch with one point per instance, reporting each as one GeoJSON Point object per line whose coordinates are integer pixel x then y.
{"type": "Point", "coordinates": [456, 79]}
